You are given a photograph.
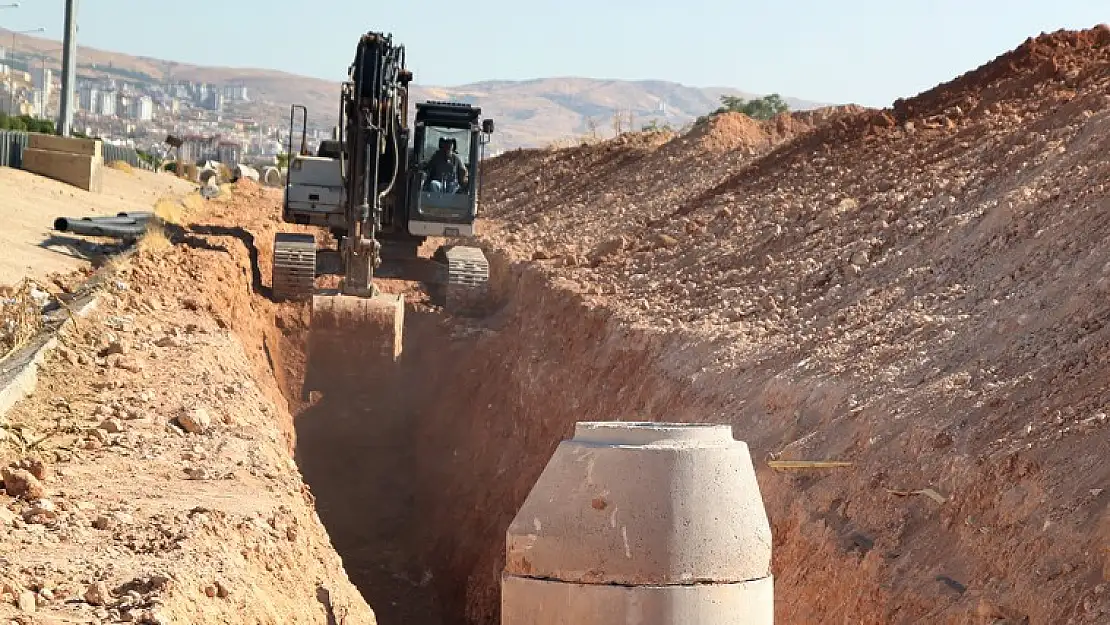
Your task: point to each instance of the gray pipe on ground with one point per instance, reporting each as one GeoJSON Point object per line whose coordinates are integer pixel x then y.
{"type": "Point", "coordinates": [119, 230]}
{"type": "Point", "coordinates": [122, 225]}
{"type": "Point", "coordinates": [648, 523]}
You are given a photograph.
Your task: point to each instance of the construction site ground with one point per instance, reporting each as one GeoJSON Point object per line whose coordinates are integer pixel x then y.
{"type": "Point", "coordinates": [29, 247]}
{"type": "Point", "coordinates": [918, 292]}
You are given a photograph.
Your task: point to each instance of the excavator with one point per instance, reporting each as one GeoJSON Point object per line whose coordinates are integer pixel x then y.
{"type": "Point", "coordinates": [375, 192]}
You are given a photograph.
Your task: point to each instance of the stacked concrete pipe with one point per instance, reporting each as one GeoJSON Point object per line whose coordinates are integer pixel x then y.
{"type": "Point", "coordinates": [646, 523]}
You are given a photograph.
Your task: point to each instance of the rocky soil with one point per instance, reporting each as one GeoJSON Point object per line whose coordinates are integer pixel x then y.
{"type": "Point", "coordinates": [915, 290]}
{"type": "Point", "coordinates": [149, 479]}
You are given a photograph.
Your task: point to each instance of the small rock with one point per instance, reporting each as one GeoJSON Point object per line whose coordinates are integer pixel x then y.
{"type": "Point", "coordinates": [540, 255]}
{"type": "Point", "coordinates": [130, 364]}
{"type": "Point", "coordinates": [724, 212]}
{"type": "Point", "coordinates": [113, 347]}
{"type": "Point", "coordinates": [42, 512]}
{"type": "Point", "coordinates": [662, 239]}
{"type": "Point", "coordinates": [168, 341]}
{"type": "Point", "coordinates": [112, 426]}
{"type": "Point", "coordinates": [610, 247]}
{"type": "Point", "coordinates": [96, 594]}
{"type": "Point", "coordinates": [22, 483]}
{"type": "Point", "coordinates": [221, 590]}
{"type": "Point", "coordinates": [150, 617]}
{"type": "Point", "coordinates": [195, 421]}
{"type": "Point", "coordinates": [847, 204]}
{"type": "Point", "coordinates": [27, 601]}
{"type": "Point", "coordinates": [104, 522]}
{"type": "Point", "coordinates": [860, 258]}
{"type": "Point", "coordinates": [37, 467]}
{"type": "Point", "coordinates": [69, 355]}
{"type": "Point", "coordinates": [44, 506]}
{"type": "Point", "coordinates": [46, 594]}
{"type": "Point", "coordinates": [198, 473]}
{"type": "Point", "coordinates": [210, 591]}
{"type": "Point", "coordinates": [6, 516]}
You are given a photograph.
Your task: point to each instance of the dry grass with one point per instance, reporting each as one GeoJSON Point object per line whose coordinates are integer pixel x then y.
{"type": "Point", "coordinates": [20, 316]}
{"type": "Point", "coordinates": [170, 210]}
{"type": "Point", "coordinates": [193, 203]}
{"type": "Point", "coordinates": [155, 240]}
{"type": "Point", "coordinates": [177, 210]}
{"type": "Point", "coordinates": [123, 166]}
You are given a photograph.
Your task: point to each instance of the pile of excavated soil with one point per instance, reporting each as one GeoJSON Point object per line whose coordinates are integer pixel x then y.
{"type": "Point", "coordinates": [729, 131]}
{"type": "Point", "coordinates": [916, 290]}
{"type": "Point", "coordinates": [617, 186]}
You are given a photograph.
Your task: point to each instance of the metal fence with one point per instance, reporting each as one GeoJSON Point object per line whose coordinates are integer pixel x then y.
{"type": "Point", "coordinates": [13, 142]}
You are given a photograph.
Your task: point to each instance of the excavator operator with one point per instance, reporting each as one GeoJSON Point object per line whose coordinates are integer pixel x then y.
{"type": "Point", "coordinates": [445, 169]}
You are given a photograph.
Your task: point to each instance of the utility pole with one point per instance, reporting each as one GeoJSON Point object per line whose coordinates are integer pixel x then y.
{"type": "Point", "coordinates": [69, 71]}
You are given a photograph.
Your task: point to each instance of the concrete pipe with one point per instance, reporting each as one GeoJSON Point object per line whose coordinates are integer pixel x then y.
{"type": "Point", "coordinates": [652, 523]}
{"type": "Point", "coordinates": [271, 176]}
{"type": "Point", "coordinates": [244, 171]}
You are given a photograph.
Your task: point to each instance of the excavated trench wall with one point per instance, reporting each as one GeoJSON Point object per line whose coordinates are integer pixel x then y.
{"type": "Point", "coordinates": [507, 398]}
{"type": "Point", "coordinates": [418, 470]}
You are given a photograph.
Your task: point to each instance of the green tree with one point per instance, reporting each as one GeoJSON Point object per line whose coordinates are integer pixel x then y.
{"type": "Point", "coordinates": [762, 108]}
{"type": "Point", "coordinates": [654, 126]}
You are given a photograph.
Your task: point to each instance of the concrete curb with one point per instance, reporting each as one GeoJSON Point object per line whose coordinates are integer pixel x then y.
{"type": "Point", "coordinates": [19, 371]}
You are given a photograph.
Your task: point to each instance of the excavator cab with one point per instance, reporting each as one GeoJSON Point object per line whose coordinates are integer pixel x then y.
{"type": "Point", "coordinates": [449, 206]}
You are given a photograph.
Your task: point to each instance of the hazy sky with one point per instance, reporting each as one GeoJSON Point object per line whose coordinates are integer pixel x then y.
{"type": "Point", "coordinates": [867, 51]}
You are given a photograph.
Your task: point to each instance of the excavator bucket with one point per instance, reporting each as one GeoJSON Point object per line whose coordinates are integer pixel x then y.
{"type": "Point", "coordinates": [352, 340]}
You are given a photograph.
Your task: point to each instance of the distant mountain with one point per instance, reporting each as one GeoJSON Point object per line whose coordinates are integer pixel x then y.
{"type": "Point", "coordinates": [527, 112]}
{"type": "Point", "coordinates": [535, 112]}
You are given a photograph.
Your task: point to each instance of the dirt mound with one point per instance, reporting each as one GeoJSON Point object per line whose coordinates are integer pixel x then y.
{"type": "Point", "coordinates": [913, 290]}
{"type": "Point", "coordinates": [728, 131]}
{"type": "Point", "coordinates": [796, 122]}
{"type": "Point", "coordinates": [1011, 84]}
{"type": "Point", "coordinates": [245, 184]}
{"type": "Point", "coordinates": [1070, 58]}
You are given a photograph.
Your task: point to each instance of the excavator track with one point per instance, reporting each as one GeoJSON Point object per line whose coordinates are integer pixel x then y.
{"type": "Point", "coordinates": [294, 266]}
{"type": "Point", "coordinates": [467, 281]}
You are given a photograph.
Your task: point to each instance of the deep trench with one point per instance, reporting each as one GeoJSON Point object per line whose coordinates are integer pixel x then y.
{"type": "Point", "coordinates": [418, 467]}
